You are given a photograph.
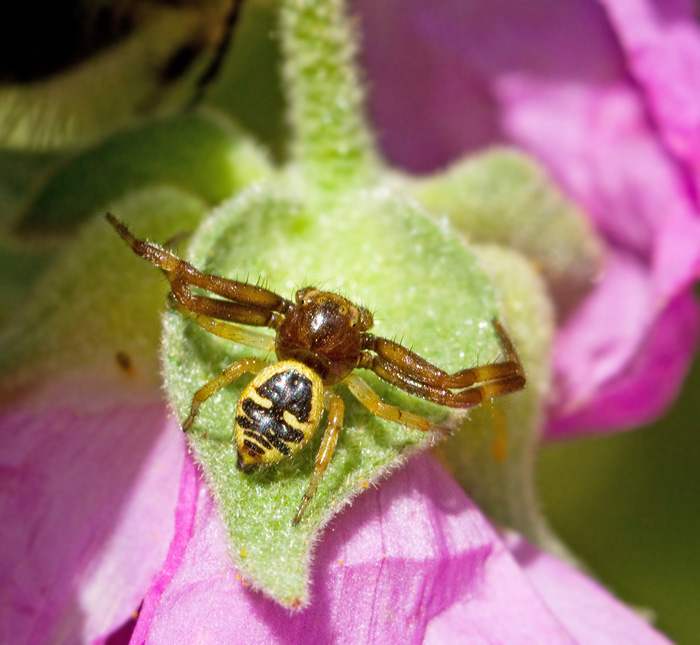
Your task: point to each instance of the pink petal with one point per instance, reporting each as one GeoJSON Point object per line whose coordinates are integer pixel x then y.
{"type": "Point", "coordinates": [542, 600]}
{"type": "Point", "coordinates": [650, 381]}
{"type": "Point", "coordinates": [90, 497]}
{"type": "Point", "coordinates": [412, 555]}
{"type": "Point", "coordinates": [502, 608]}
{"type": "Point", "coordinates": [662, 44]}
{"type": "Point", "coordinates": [373, 581]}
{"type": "Point", "coordinates": [590, 613]}
{"type": "Point", "coordinates": [190, 489]}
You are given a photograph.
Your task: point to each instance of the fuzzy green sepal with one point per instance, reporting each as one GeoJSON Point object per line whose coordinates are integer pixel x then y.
{"type": "Point", "coordinates": [96, 311]}
{"type": "Point", "coordinates": [199, 154]}
{"type": "Point", "coordinates": [504, 197]}
{"type": "Point", "coordinates": [427, 291]}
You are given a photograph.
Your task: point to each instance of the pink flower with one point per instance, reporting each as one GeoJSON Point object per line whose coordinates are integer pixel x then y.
{"type": "Point", "coordinates": [89, 508]}
{"type": "Point", "coordinates": [412, 561]}
{"type": "Point", "coordinates": [88, 498]}
{"type": "Point", "coordinates": [604, 94]}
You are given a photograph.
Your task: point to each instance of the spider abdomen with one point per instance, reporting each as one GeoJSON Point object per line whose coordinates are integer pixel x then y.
{"type": "Point", "coordinates": [277, 413]}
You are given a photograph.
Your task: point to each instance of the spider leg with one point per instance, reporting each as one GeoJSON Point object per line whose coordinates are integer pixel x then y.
{"type": "Point", "coordinates": [407, 370]}
{"type": "Point", "coordinates": [222, 309]}
{"type": "Point", "coordinates": [243, 301]}
{"type": "Point", "coordinates": [228, 330]}
{"type": "Point", "coordinates": [336, 410]}
{"type": "Point", "coordinates": [228, 376]}
{"type": "Point", "coordinates": [508, 368]}
{"type": "Point", "coordinates": [367, 396]}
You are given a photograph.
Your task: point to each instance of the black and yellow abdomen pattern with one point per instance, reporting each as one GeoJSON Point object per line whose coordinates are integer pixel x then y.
{"type": "Point", "coordinates": [277, 413]}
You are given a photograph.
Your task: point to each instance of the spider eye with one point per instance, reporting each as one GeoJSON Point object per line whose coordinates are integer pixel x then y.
{"type": "Point", "coordinates": [366, 319]}
{"type": "Point", "coordinates": [303, 294]}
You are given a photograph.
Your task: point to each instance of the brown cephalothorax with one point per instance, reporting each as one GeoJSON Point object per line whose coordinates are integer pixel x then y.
{"type": "Point", "coordinates": [320, 339]}
{"type": "Point", "coordinates": [324, 331]}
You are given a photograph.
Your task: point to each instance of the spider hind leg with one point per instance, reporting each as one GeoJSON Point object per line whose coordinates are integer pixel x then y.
{"type": "Point", "coordinates": [336, 411]}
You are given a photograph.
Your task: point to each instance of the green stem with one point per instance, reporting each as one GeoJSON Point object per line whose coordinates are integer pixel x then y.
{"type": "Point", "coordinates": [332, 142]}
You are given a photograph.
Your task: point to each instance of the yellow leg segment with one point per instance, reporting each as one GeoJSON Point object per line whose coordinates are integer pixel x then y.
{"type": "Point", "coordinates": [336, 410]}
{"type": "Point", "coordinates": [366, 395]}
{"type": "Point", "coordinates": [228, 376]}
{"type": "Point", "coordinates": [228, 330]}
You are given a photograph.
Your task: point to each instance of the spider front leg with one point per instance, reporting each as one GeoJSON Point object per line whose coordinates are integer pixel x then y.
{"type": "Point", "coordinates": [228, 376]}
{"type": "Point", "coordinates": [336, 410]}
{"type": "Point", "coordinates": [241, 302]}
{"type": "Point", "coordinates": [228, 330]}
{"type": "Point", "coordinates": [227, 310]}
{"type": "Point", "coordinates": [407, 370]}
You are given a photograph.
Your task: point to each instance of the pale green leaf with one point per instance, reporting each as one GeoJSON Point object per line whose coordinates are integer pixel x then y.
{"type": "Point", "coordinates": [97, 303]}
{"type": "Point", "coordinates": [197, 154]}
{"type": "Point", "coordinates": [504, 197]}
{"type": "Point", "coordinates": [426, 290]}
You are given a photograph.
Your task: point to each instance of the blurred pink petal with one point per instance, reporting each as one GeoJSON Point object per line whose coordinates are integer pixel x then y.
{"type": "Point", "coordinates": [413, 554]}
{"type": "Point", "coordinates": [87, 506]}
{"type": "Point", "coordinates": [649, 382]}
{"type": "Point", "coordinates": [590, 613]}
{"type": "Point", "coordinates": [574, 84]}
{"type": "Point", "coordinates": [587, 359]}
{"type": "Point", "coordinates": [543, 596]}
{"type": "Point", "coordinates": [662, 45]}
{"type": "Point", "coordinates": [661, 41]}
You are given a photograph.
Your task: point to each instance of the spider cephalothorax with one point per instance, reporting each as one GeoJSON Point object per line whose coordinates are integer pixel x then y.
{"type": "Point", "coordinates": [324, 331]}
{"type": "Point", "coordinates": [320, 339]}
